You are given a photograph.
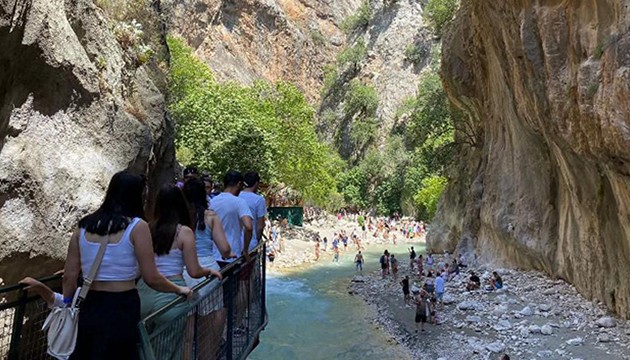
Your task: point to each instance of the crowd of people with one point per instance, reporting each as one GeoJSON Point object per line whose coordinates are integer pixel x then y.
{"type": "Point", "coordinates": [432, 273]}
{"type": "Point", "coordinates": [197, 227]}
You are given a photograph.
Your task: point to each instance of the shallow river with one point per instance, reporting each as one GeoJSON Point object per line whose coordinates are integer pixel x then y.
{"type": "Point", "coordinates": [312, 316]}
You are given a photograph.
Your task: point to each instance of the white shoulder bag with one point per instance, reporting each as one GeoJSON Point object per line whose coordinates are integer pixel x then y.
{"type": "Point", "coordinates": [62, 322]}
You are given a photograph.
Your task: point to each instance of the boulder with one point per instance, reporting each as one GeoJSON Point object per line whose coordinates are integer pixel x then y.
{"type": "Point", "coordinates": [606, 322]}
{"type": "Point", "coordinates": [496, 347]}
{"type": "Point", "coordinates": [526, 311]}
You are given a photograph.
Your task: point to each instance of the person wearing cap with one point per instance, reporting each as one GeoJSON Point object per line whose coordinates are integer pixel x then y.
{"type": "Point", "coordinates": [257, 206]}
{"type": "Point", "coordinates": [235, 216]}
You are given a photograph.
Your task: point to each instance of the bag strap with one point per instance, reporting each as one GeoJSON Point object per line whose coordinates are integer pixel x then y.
{"type": "Point", "coordinates": [87, 280]}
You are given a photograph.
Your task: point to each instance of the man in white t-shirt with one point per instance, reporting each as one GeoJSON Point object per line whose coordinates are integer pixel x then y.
{"type": "Point", "coordinates": [256, 204]}
{"type": "Point", "coordinates": [235, 216]}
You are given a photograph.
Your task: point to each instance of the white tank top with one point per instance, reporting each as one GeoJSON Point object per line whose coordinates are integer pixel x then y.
{"type": "Point", "coordinates": [171, 264]}
{"type": "Point", "coordinates": [119, 262]}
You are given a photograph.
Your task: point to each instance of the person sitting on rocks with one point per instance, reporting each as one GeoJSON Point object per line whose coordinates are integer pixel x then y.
{"type": "Point", "coordinates": [455, 268]}
{"type": "Point", "coordinates": [462, 261]}
{"type": "Point", "coordinates": [446, 273]}
{"type": "Point", "coordinates": [474, 282]}
{"type": "Point", "coordinates": [496, 282]}
{"type": "Point", "coordinates": [440, 266]}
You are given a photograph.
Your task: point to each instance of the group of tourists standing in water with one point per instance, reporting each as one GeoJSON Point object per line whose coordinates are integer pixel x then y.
{"type": "Point", "coordinates": [194, 231]}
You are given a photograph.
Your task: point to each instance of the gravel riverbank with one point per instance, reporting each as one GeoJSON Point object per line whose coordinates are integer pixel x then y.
{"type": "Point", "coordinates": [533, 317]}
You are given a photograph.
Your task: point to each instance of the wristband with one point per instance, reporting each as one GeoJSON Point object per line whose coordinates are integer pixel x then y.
{"type": "Point", "coordinates": [67, 300]}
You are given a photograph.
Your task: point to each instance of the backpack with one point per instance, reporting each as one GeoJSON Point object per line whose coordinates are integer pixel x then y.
{"type": "Point", "coordinates": [383, 259]}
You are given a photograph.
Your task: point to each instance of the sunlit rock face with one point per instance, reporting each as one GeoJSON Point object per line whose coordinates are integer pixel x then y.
{"type": "Point", "coordinates": [293, 41]}
{"type": "Point", "coordinates": [73, 111]}
{"type": "Point", "coordinates": [546, 183]}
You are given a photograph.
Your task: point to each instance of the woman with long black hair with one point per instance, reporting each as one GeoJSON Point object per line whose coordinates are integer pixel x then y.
{"type": "Point", "coordinates": [111, 309]}
{"type": "Point", "coordinates": [209, 239]}
{"type": "Point", "coordinates": [174, 248]}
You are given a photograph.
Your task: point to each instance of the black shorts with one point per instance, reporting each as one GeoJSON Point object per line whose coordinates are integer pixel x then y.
{"type": "Point", "coordinates": [421, 318]}
{"type": "Point", "coordinates": [383, 266]}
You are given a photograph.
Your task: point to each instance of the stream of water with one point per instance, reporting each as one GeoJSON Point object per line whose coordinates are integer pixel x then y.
{"type": "Point", "coordinates": [312, 316]}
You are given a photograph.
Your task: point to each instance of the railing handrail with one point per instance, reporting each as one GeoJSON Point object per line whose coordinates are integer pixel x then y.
{"type": "Point", "coordinates": [19, 286]}
{"type": "Point", "coordinates": [226, 270]}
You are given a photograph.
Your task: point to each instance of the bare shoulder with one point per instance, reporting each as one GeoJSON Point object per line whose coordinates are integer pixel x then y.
{"type": "Point", "coordinates": [186, 232]}
{"type": "Point", "coordinates": [141, 226]}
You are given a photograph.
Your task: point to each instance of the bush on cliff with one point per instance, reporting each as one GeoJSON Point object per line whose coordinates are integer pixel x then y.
{"type": "Point", "coordinates": [439, 14]}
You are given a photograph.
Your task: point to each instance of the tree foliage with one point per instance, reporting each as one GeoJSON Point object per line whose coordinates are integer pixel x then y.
{"type": "Point", "coordinates": [402, 176]}
{"type": "Point", "coordinates": [439, 14]}
{"type": "Point", "coordinates": [359, 20]}
{"type": "Point", "coordinates": [353, 55]}
{"type": "Point", "coordinates": [428, 196]}
{"type": "Point", "coordinates": [266, 127]}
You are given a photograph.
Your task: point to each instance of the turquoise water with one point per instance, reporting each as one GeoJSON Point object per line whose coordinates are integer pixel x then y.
{"type": "Point", "coordinates": [312, 316]}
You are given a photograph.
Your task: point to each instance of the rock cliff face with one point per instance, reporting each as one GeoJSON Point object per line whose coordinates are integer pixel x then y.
{"type": "Point", "coordinates": [248, 40]}
{"type": "Point", "coordinates": [73, 111]}
{"type": "Point", "coordinates": [547, 185]}
{"type": "Point", "coordinates": [292, 40]}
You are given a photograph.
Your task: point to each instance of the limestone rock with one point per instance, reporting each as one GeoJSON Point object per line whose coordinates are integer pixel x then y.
{"type": "Point", "coordinates": [546, 330]}
{"type": "Point", "coordinates": [73, 111]}
{"type": "Point", "coordinates": [526, 311]}
{"type": "Point", "coordinates": [536, 110]}
{"type": "Point", "coordinates": [575, 341]}
{"type": "Point", "coordinates": [448, 299]}
{"type": "Point", "coordinates": [496, 347]}
{"type": "Point", "coordinates": [606, 322]}
{"type": "Point", "coordinates": [467, 305]}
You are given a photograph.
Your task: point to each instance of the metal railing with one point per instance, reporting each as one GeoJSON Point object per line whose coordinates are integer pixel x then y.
{"type": "Point", "coordinates": [21, 318]}
{"type": "Point", "coordinates": [223, 321]}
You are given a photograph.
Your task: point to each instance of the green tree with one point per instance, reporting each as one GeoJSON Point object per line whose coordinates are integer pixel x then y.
{"type": "Point", "coordinates": [361, 99]}
{"type": "Point", "coordinates": [439, 14]}
{"type": "Point", "coordinates": [428, 196]}
{"type": "Point", "coordinates": [359, 20]}
{"type": "Point", "coordinates": [266, 127]}
{"type": "Point", "coordinates": [353, 55]}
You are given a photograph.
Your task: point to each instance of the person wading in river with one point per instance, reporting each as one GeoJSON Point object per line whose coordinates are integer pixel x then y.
{"type": "Point", "coordinates": [358, 260]}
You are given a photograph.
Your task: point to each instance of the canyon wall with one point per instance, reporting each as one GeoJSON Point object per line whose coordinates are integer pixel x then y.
{"type": "Point", "coordinates": [293, 40]}
{"type": "Point", "coordinates": [75, 107]}
{"type": "Point", "coordinates": [546, 85]}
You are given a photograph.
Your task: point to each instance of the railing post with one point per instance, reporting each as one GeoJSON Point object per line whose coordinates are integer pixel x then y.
{"type": "Point", "coordinates": [229, 304]}
{"type": "Point", "coordinates": [16, 330]}
{"type": "Point", "coordinates": [263, 295]}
